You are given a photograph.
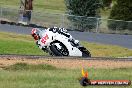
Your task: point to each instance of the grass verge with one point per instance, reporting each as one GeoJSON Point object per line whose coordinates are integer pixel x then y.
{"type": "Point", "coordinates": [30, 67]}
{"type": "Point", "coordinates": [24, 44]}
{"type": "Point", "coordinates": [18, 44]}
{"type": "Point", "coordinates": [44, 77]}
{"type": "Point", "coordinates": [39, 5]}
{"type": "Point", "coordinates": [105, 50]}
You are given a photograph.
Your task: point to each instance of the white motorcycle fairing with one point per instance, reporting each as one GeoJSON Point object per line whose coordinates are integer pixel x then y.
{"type": "Point", "coordinates": [49, 38]}
{"type": "Point", "coordinates": [58, 42]}
{"type": "Point", "coordinates": [73, 51]}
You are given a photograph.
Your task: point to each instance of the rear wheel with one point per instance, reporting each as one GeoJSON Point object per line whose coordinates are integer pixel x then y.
{"type": "Point", "coordinates": [59, 49]}
{"type": "Point", "coordinates": [85, 52]}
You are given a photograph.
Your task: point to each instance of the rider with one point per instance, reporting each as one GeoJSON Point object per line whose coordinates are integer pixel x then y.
{"type": "Point", "coordinates": [64, 32]}
{"type": "Point", "coordinates": [37, 35]}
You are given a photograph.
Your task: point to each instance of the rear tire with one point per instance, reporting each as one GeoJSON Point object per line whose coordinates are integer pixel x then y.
{"type": "Point", "coordinates": [85, 52]}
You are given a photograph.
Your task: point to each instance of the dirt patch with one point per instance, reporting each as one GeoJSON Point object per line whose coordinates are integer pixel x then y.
{"type": "Point", "coordinates": [68, 63]}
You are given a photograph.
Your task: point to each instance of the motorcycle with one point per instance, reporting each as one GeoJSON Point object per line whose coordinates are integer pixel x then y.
{"type": "Point", "coordinates": [58, 42]}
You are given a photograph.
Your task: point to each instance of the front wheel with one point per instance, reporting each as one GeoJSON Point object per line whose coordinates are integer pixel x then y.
{"type": "Point", "coordinates": [59, 49]}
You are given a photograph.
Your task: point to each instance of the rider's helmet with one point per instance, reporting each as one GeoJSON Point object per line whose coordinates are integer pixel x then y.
{"type": "Point", "coordinates": [54, 29]}
{"type": "Point", "coordinates": [35, 33]}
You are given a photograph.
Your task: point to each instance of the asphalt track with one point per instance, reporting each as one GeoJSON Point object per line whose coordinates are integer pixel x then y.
{"type": "Point", "coordinates": [63, 57]}
{"type": "Point", "coordinates": [112, 39]}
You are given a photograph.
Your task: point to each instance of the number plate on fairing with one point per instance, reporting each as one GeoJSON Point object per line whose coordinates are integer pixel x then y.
{"type": "Point", "coordinates": [44, 39]}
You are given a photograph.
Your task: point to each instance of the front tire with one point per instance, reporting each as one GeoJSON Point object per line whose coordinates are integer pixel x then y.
{"type": "Point", "coordinates": [63, 51]}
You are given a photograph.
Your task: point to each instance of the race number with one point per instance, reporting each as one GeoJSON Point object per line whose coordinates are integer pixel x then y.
{"type": "Point", "coordinates": [44, 39]}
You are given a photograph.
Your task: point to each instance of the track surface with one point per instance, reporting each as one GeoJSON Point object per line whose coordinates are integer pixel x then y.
{"type": "Point", "coordinates": [55, 57]}
{"type": "Point", "coordinates": [66, 62]}
{"type": "Point", "coordinates": [113, 39]}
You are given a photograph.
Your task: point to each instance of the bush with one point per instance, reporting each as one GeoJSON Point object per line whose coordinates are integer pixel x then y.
{"type": "Point", "coordinates": [117, 25]}
{"type": "Point", "coordinates": [129, 27]}
{"type": "Point", "coordinates": [107, 3]}
{"type": "Point", "coordinates": [121, 11]}
{"type": "Point", "coordinates": [83, 23]}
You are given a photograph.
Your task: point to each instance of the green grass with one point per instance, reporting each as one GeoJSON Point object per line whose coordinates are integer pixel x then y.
{"type": "Point", "coordinates": [24, 44]}
{"type": "Point", "coordinates": [43, 77]}
{"type": "Point", "coordinates": [18, 44]}
{"type": "Point", "coordinates": [57, 6]}
{"type": "Point", "coordinates": [105, 50]}
{"type": "Point", "coordinates": [53, 6]}
{"type": "Point", "coordinates": [29, 67]}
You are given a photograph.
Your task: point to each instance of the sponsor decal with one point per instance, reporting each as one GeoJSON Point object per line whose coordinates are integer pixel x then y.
{"type": "Point", "coordinates": [85, 81]}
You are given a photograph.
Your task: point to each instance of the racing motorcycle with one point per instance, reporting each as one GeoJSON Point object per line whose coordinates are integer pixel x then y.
{"type": "Point", "coordinates": [58, 42]}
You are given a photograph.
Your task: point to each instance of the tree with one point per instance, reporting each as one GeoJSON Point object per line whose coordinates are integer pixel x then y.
{"type": "Point", "coordinates": [107, 3]}
{"type": "Point", "coordinates": [83, 9]}
{"type": "Point", "coordinates": [122, 10]}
